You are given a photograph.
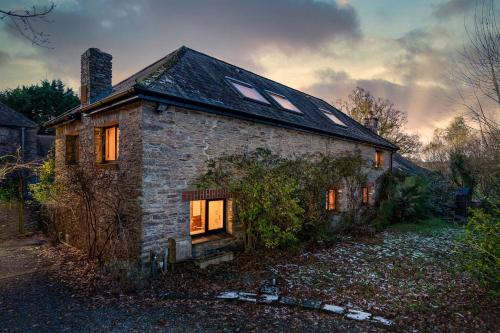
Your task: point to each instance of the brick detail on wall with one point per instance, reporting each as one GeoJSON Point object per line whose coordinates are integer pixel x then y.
{"type": "Point", "coordinates": [206, 194]}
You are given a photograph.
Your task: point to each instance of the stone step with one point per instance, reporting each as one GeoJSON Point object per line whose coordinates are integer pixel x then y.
{"type": "Point", "coordinates": [214, 259]}
{"type": "Point", "coordinates": [211, 245]}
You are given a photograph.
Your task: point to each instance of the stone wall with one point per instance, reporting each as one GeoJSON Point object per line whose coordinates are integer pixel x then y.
{"type": "Point", "coordinates": [11, 139]}
{"type": "Point", "coordinates": [125, 173]}
{"type": "Point", "coordinates": [163, 153]}
{"type": "Point", "coordinates": [178, 142]}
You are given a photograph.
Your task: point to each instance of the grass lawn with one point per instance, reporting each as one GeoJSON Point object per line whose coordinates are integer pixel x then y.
{"type": "Point", "coordinates": [428, 226]}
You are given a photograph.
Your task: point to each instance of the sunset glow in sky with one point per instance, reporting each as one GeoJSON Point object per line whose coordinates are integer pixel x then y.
{"type": "Point", "coordinates": [401, 50]}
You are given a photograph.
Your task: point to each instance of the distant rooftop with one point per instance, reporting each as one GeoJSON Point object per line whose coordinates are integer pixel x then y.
{"type": "Point", "coordinates": [10, 117]}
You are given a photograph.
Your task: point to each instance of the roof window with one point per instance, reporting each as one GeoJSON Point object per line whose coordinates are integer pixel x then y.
{"type": "Point", "coordinates": [333, 117]}
{"type": "Point", "coordinates": [284, 102]}
{"type": "Point", "coordinates": [248, 91]}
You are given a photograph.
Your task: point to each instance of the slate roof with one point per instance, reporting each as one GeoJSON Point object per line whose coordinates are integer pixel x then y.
{"type": "Point", "coordinates": [9, 117]}
{"type": "Point", "coordinates": [194, 77]}
{"type": "Point", "coordinates": [404, 165]}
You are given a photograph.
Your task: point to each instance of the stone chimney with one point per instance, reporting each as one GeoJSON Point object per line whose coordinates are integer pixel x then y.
{"type": "Point", "coordinates": [95, 76]}
{"type": "Point", "coordinates": [371, 122]}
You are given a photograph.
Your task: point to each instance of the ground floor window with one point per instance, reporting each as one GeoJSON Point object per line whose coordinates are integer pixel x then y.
{"type": "Point", "coordinates": [207, 216]}
{"type": "Point", "coordinates": [331, 199]}
{"type": "Point", "coordinates": [365, 195]}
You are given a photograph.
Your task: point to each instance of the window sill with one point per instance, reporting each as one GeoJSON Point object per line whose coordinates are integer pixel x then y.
{"type": "Point", "coordinates": [108, 164]}
{"type": "Point", "coordinates": [198, 239]}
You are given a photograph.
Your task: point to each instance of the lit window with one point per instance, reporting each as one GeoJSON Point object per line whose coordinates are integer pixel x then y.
{"type": "Point", "coordinates": [197, 217]}
{"type": "Point", "coordinates": [284, 102]}
{"type": "Point", "coordinates": [333, 117]}
{"type": "Point", "coordinates": [365, 195]}
{"type": "Point", "coordinates": [111, 143]}
{"type": "Point", "coordinates": [203, 211]}
{"type": "Point", "coordinates": [331, 199]}
{"type": "Point", "coordinates": [379, 159]}
{"type": "Point", "coordinates": [248, 91]}
{"type": "Point", "coordinates": [72, 149]}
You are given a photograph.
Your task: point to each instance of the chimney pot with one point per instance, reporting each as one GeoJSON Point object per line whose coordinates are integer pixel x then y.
{"type": "Point", "coordinates": [96, 74]}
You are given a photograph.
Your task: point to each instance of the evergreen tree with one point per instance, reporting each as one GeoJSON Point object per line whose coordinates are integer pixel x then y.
{"type": "Point", "coordinates": [40, 102]}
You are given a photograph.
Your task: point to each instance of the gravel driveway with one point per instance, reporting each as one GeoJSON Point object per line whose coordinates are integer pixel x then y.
{"type": "Point", "coordinates": [34, 299]}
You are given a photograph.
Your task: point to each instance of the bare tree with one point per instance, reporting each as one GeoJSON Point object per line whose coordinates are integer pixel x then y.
{"type": "Point", "coordinates": [103, 225]}
{"type": "Point", "coordinates": [9, 164]}
{"type": "Point", "coordinates": [477, 68]}
{"type": "Point", "coordinates": [24, 20]}
{"type": "Point", "coordinates": [361, 104]}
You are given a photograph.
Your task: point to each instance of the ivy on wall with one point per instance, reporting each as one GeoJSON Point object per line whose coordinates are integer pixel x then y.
{"type": "Point", "coordinates": [282, 201]}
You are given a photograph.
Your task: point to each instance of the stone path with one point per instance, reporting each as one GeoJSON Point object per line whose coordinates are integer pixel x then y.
{"type": "Point", "coordinates": [274, 298]}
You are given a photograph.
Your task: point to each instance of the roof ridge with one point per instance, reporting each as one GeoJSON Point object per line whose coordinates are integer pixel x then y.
{"type": "Point", "coordinates": [156, 63]}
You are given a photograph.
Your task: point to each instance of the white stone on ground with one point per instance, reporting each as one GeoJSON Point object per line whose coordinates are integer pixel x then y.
{"type": "Point", "coordinates": [383, 320]}
{"type": "Point", "coordinates": [333, 308]}
{"type": "Point", "coordinates": [268, 298]}
{"type": "Point", "coordinates": [247, 297]}
{"type": "Point", "coordinates": [228, 295]}
{"type": "Point", "coordinates": [358, 315]}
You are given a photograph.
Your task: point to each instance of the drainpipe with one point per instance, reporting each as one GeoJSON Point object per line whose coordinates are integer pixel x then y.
{"type": "Point", "coordinates": [22, 143]}
{"type": "Point", "coordinates": [390, 169]}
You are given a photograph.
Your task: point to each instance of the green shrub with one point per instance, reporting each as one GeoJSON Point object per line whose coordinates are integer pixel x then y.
{"type": "Point", "coordinates": [45, 189]}
{"type": "Point", "coordinates": [403, 198]}
{"type": "Point", "coordinates": [282, 201]}
{"type": "Point", "coordinates": [481, 246]}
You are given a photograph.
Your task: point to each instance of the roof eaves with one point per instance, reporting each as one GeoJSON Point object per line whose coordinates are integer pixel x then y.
{"type": "Point", "coordinates": [69, 115]}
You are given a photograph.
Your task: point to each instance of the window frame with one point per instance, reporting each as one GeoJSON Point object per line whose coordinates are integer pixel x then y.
{"type": "Point", "coordinates": [327, 112]}
{"type": "Point", "coordinates": [363, 189]}
{"type": "Point", "coordinates": [271, 93]}
{"type": "Point", "coordinates": [232, 82]}
{"type": "Point", "coordinates": [76, 149]}
{"type": "Point", "coordinates": [117, 144]}
{"type": "Point", "coordinates": [207, 230]}
{"type": "Point", "coordinates": [335, 202]}
{"type": "Point", "coordinates": [378, 162]}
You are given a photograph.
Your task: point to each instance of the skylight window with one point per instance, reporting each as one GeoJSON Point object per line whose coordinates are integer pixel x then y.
{"type": "Point", "coordinates": [246, 90]}
{"type": "Point", "coordinates": [333, 117]}
{"type": "Point", "coordinates": [284, 102]}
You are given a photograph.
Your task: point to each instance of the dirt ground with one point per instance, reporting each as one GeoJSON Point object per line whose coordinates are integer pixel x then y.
{"type": "Point", "coordinates": [409, 276]}
{"type": "Point", "coordinates": [46, 289]}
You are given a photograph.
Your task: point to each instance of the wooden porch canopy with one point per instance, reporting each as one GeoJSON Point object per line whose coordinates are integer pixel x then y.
{"type": "Point", "coordinates": [207, 194]}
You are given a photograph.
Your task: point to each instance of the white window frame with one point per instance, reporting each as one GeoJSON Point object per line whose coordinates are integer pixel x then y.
{"type": "Point", "coordinates": [333, 118]}
{"type": "Point", "coordinates": [272, 94]}
{"type": "Point", "coordinates": [233, 83]}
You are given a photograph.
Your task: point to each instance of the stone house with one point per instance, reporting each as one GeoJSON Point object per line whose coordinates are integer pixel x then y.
{"type": "Point", "coordinates": [163, 123]}
{"type": "Point", "coordinates": [17, 132]}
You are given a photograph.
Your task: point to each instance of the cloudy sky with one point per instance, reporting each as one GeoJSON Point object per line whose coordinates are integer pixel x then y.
{"type": "Point", "coordinates": [401, 50]}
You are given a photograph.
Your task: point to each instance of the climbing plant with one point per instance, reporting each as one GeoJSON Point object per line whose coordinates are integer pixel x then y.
{"type": "Point", "coordinates": [281, 201]}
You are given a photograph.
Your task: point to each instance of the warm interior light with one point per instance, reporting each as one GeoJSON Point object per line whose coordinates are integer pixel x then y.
{"type": "Point", "coordinates": [197, 217]}
{"type": "Point", "coordinates": [111, 139]}
{"type": "Point", "coordinates": [331, 200]}
{"type": "Point", "coordinates": [215, 214]}
{"type": "Point", "coordinates": [365, 195]}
